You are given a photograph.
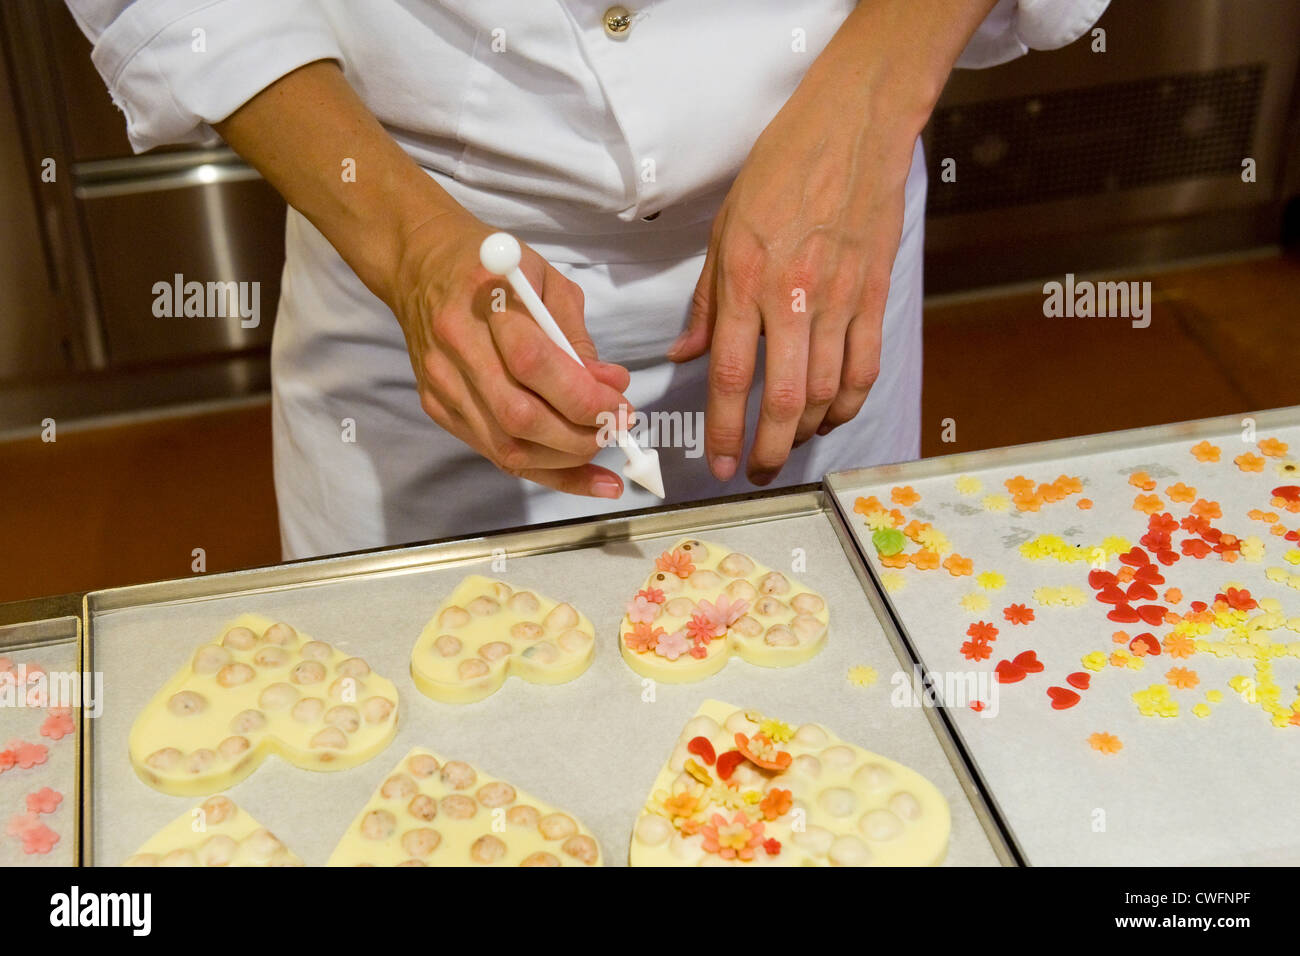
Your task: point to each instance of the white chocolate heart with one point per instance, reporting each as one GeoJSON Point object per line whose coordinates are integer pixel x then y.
{"type": "Point", "coordinates": [215, 833]}
{"type": "Point", "coordinates": [775, 621]}
{"type": "Point", "coordinates": [260, 687]}
{"type": "Point", "coordinates": [833, 803]}
{"type": "Point", "coordinates": [466, 656]}
{"type": "Point", "coordinates": [431, 812]}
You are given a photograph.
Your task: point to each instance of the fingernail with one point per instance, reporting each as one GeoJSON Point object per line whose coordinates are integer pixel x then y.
{"type": "Point", "coordinates": [824, 429]}
{"type": "Point", "coordinates": [606, 488]}
{"type": "Point", "coordinates": [724, 467]}
{"type": "Point", "coordinates": [762, 477]}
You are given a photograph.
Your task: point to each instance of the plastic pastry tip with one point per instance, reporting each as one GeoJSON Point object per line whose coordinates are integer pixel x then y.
{"type": "Point", "coordinates": [644, 470]}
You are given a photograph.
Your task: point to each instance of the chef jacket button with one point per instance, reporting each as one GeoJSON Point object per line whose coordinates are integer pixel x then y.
{"type": "Point", "coordinates": [650, 218]}
{"type": "Point", "coordinates": [617, 20]}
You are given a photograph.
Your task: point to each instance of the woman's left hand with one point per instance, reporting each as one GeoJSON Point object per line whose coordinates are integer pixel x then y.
{"type": "Point", "coordinates": [804, 244]}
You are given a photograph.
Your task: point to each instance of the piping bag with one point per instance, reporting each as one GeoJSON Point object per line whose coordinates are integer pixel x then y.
{"type": "Point", "coordinates": [500, 255]}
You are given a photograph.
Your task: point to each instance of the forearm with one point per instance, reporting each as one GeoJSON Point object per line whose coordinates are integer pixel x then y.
{"type": "Point", "coordinates": [892, 57]}
{"type": "Point", "coordinates": [313, 139]}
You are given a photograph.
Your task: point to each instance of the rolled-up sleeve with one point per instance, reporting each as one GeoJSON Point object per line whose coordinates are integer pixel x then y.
{"type": "Point", "coordinates": [174, 67]}
{"type": "Point", "coordinates": [1015, 27]}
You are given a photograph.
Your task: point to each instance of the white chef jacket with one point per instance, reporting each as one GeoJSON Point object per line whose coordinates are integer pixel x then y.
{"type": "Point", "coordinates": [609, 156]}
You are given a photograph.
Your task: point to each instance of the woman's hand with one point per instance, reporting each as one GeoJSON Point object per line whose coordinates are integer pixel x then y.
{"type": "Point", "coordinates": [488, 374]}
{"type": "Point", "coordinates": [804, 244]}
{"type": "Point", "coordinates": [801, 251]}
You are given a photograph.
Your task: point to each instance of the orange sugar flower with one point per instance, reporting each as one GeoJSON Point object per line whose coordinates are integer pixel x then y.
{"type": "Point", "coordinates": [1174, 595]}
{"type": "Point", "coordinates": [1105, 743]}
{"type": "Point", "coordinates": [1277, 530]}
{"type": "Point", "coordinates": [676, 562]}
{"type": "Point", "coordinates": [1273, 447]}
{"type": "Point", "coordinates": [1121, 637]}
{"type": "Point", "coordinates": [958, 566]}
{"type": "Point", "coordinates": [1140, 479]}
{"type": "Point", "coordinates": [1019, 485]}
{"type": "Point", "coordinates": [1179, 645]}
{"type": "Point", "coordinates": [915, 529]}
{"type": "Point", "coordinates": [776, 803]}
{"type": "Point", "coordinates": [1125, 574]}
{"type": "Point", "coordinates": [1148, 504]}
{"type": "Point", "coordinates": [905, 496]}
{"type": "Point", "coordinates": [1204, 451]}
{"type": "Point", "coordinates": [1207, 509]}
{"type": "Point", "coordinates": [1028, 502]}
{"type": "Point", "coordinates": [1071, 486]}
{"type": "Point", "coordinates": [1180, 492]}
{"type": "Point", "coordinates": [1248, 462]}
{"type": "Point", "coordinates": [900, 560]}
{"type": "Point", "coordinates": [865, 506]}
{"type": "Point", "coordinates": [982, 631]}
{"type": "Point", "coordinates": [1182, 677]}
{"type": "Point", "coordinates": [925, 560]}
{"type": "Point", "coordinates": [1051, 492]}
{"type": "Point", "coordinates": [1083, 504]}
{"type": "Point", "coordinates": [1018, 613]}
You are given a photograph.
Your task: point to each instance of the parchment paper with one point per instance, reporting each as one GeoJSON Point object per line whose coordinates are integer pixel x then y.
{"type": "Point", "coordinates": [1183, 791]}
{"type": "Point", "coordinates": [592, 747]}
{"type": "Point", "coordinates": [59, 771]}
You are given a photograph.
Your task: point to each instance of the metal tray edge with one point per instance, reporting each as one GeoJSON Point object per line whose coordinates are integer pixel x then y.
{"type": "Point", "coordinates": [978, 792]}
{"type": "Point", "coordinates": [1058, 448]}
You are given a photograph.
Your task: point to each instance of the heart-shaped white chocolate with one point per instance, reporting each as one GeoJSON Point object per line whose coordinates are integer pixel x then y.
{"type": "Point", "coordinates": [810, 799]}
{"type": "Point", "coordinates": [215, 833]}
{"type": "Point", "coordinates": [486, 631]}
{"type": "Point", "coordinates": [261, 687]}
{"type": "Point", "coordinates": [704, 602]}
{"type": "Point", "coordinates": [435, 812]}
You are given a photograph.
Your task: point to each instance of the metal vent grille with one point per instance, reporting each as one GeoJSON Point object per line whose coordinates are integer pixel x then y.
{"type": "Point", "coordinates": [1100, 139]}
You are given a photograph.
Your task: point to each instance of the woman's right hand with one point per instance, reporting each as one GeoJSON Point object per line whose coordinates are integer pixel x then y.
{"type": "Point", "coordinates": [488, 374]}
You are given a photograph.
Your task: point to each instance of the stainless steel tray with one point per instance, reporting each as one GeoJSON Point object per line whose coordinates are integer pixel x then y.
{"type": "Point", "coordinates": [47, 632]}
{"type": "Point", "coordinates": [924, 638]}
{"type": "Point", "coordinates": [592, 746]}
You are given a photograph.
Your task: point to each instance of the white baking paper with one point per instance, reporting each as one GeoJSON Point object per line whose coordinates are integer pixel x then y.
{"type": "Point", "coordinates": [593, 746]}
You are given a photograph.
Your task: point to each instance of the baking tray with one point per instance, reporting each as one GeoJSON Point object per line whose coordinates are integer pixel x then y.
{"type": "Point", "coordinates": [593, 746]}
{"type": "Point", "coordinates": [1183, 791]}
{"type": "Point", "coordinates": [45, 633]}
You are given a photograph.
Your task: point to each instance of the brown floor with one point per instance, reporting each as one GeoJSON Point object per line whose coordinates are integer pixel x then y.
{"type": "Point", "coordinates": [106, 507]}
{"type": "Point", "coordinates": [123, 505]}
{"type": "Point", "coordinates": [1223, 339]}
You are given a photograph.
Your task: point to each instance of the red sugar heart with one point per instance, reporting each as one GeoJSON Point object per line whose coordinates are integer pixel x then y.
{"type": "Point", "coordinates": [1287, 492]}
{"type": "Point", "coordinates": [1028, 662]}
{"type": "Point", "coordinates": [1141, 591]}
{"type": "Point", "coordinates": [977, 705]}
{"type": "Point", "coordinates": [1153, 614]}
{"type": "Point", "coordinates": [1150, 646]}
{"type": "Point", "coordinates": [1098, 578]}
{"type": "Point", "coordinates": [1134, 557]}
{"type": "Point", "coordinates": [1198, 606]}
{"type": "Point", "coordinates": [1008, 673]}
{"type": "Point", "coordinates": [1111, 594]}
{"type": "Point", "coordinates": [1149, 574]}
{"type": "Point", "coordinates": [1062, 697]}
{"type": "Point", "coordinates": [1166, 557]}
{"type": "Point", "coordinates": [1124, 614]}
{"type": "Point", "coordinates": [1079, 679]}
